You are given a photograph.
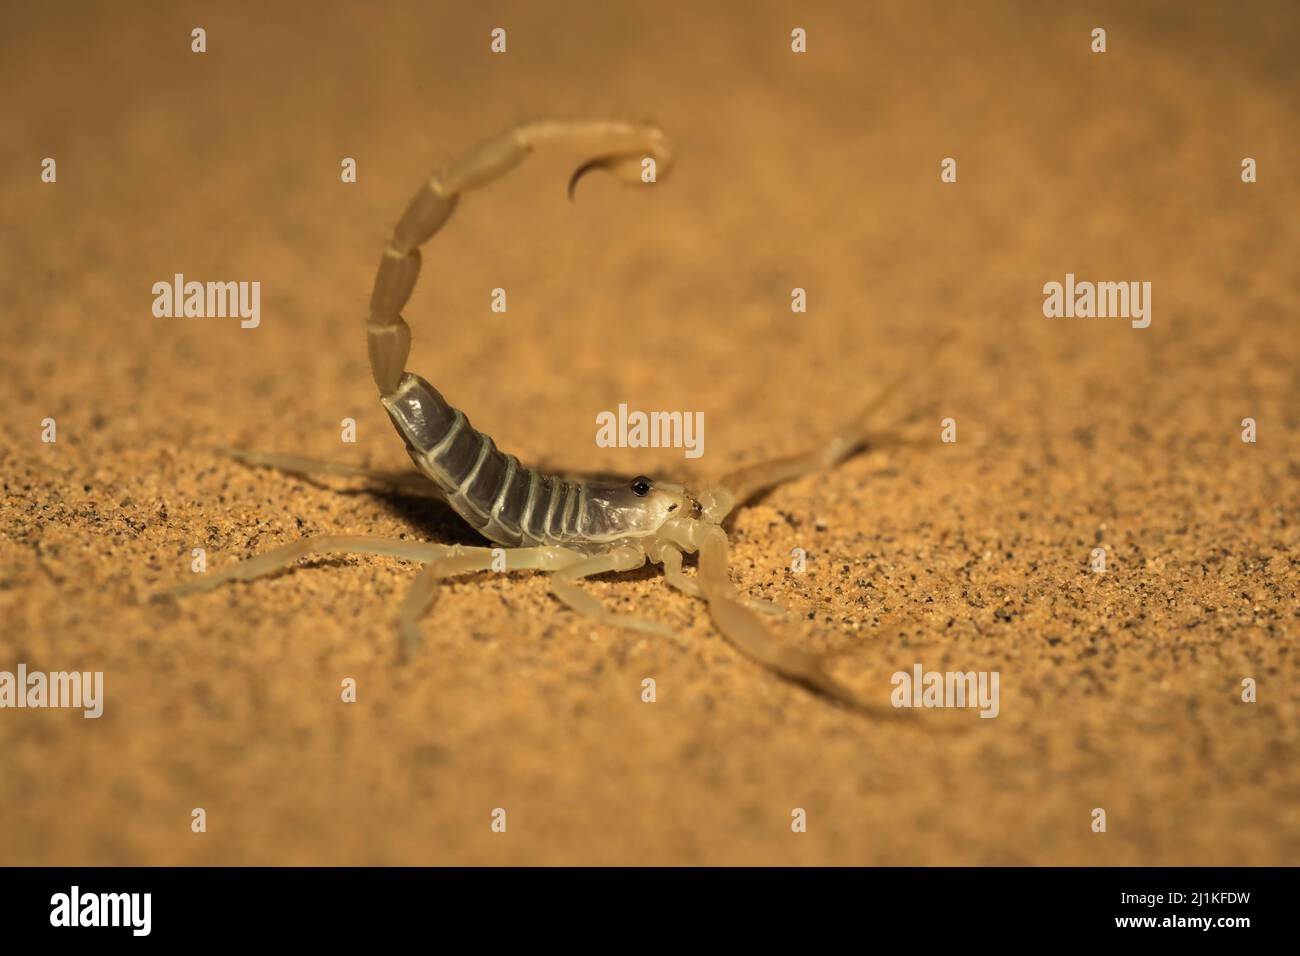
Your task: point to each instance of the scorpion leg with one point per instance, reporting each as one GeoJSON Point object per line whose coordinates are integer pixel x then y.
{"type": "Point", "coordinates": [284, 557]}
{"type": "Point", "coordinates": [742, 484]}
{"type": "Point", "coordinates": [460, 560]}
{"type": "Point", "coordinates": [565, 588]}
{"type": "Point", "coordinates": [671, 559]}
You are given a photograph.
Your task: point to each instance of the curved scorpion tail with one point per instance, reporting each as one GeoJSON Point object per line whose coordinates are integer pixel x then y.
{"type": "Point", "coordinates": [621, 148]}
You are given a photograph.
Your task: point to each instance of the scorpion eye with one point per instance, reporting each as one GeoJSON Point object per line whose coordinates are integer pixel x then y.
{"type": "Point", "coordinates": [641, 486]}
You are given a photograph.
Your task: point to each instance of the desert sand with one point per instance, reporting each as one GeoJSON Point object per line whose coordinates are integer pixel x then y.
{"type": "Point", "coordinates": [1120, 691]}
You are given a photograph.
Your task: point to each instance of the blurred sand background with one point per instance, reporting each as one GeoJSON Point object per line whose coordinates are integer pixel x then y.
{"type": "Point", "coordinates": [820, 171]}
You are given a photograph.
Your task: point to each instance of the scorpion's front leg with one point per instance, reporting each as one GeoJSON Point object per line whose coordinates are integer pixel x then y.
{"type": "Point", "coordinates": [852, 436]}
{"type": "Point", "coordinates": [671, 558]}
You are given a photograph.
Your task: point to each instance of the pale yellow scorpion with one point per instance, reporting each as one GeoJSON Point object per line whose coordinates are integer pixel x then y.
{"type": "Point", "coordinates": [571, 527]}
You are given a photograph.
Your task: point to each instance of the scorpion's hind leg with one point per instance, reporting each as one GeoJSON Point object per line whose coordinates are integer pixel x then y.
{"type": "Point", "coordinates": [286, 556]}
{"type": "Point", "coordinates": [564, 586]}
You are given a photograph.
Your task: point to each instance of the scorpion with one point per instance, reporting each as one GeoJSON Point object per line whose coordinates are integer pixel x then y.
{"type": "Point", "coordinates": [571, 527]}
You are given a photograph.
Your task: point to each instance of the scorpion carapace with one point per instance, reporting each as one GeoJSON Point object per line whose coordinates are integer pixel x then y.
{"type": "Point", "coordinates": [572, 528]}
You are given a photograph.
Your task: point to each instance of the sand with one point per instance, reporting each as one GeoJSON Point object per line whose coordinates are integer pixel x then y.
{"type": "Point", "coordinates": [1120, 691]}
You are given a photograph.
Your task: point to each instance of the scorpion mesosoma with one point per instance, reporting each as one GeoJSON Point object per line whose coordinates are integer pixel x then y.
{"type": "Point", "coordinates": [573, 528]}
